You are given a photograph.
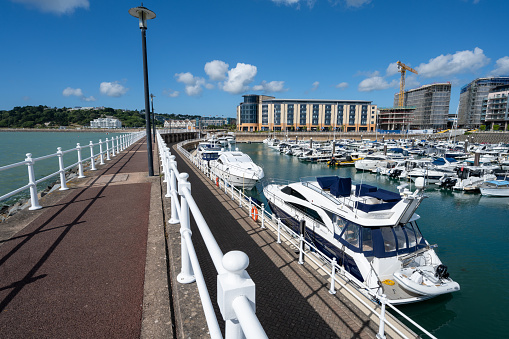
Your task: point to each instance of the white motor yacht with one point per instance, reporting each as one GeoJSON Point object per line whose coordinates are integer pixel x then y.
{"type": "Point", "coordinates": [237, 168]}
{"type": "Point", "coordinates": [371, 232]}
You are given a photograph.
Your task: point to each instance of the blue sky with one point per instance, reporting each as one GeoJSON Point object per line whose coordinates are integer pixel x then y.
{"type": "Point", "coordinates": [204, 55]}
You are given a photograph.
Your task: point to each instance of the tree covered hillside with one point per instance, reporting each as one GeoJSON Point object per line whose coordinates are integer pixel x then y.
{"type": "Point", "coordinates": [48, 117]}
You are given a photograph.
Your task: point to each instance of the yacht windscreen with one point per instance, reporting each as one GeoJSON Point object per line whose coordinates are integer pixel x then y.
{"type": "Point", "coordinates": [290, 191]}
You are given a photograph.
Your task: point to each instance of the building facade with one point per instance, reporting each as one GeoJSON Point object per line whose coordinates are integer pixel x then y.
{"type": "Point", "coordinates": [180, 124]}
{"type": "Point", "coordinates": [266, 113]}
{"type": "Point", "coordinates": [395, 118]}
{"type": "Point", "coordinates": [431, 104]}
{"type": "Point", "coordinates": [108, 122]}
{"type": "Point", "coordinates": [472, 97]}
{"type": "Point", "coordinates": [495, 108]}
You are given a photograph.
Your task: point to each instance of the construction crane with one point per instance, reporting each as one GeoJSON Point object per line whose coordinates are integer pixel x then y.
{"type": "Point", "coordinates": [402, 68]}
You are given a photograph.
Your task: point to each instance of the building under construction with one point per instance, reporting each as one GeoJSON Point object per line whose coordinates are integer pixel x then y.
{"type": "Point", "coordinates": [395, 118]}
{"type": "Point", "coordinates": [431, 104]}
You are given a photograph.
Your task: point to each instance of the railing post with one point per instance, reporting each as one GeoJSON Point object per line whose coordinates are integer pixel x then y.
{"type": "Point", "coordinates": [80, 162]}
{"type": "Point", "coordinates": [173, 185]}
{"type": "Point", "coordinates": [381, 327]}
{"type": "Point", "coordinates": [186, 275]}
{"type": "Point", "coordinates": [332, 289]}
{"type": "Point", "coordinates": [107, 150]}
{"type": "Point", "coordinates": [263, 215]}
{"type": "Point", "coordinates": [34, 199]}
{"type": "Point", "coordinates": [63, 184]}
{"type": "Point", "coordinates": [233, 190]}
{"type": "Point", "coordinates": [113, 146]}
{"type": "Point", "coordinates": [92, 160]}
{"type": "Point", "coordinates": [278, 230]}
{"type": "Point", "coordinates": [233, 284]}
{"type": "Point", "coordinates": [301, 249]}
{"type": "Point", "coordinates": [118, 144]}
{"type": "Point", "coordinates": [240, 198]}
{"type": "Point", "coordinates": [101, 155]}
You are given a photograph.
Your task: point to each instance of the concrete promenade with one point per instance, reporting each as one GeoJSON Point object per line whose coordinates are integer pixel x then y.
{"type": "Point", "coordinates": [76, 268]}
{"type": "Point", "coordinates": [100, 261]}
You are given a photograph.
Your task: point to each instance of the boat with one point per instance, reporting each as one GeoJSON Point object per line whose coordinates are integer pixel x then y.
{"type": "Point", "coordinates": [426, 280]}
{"type": "Point", "coordinates": [208, 150]}
{"type": "Point", "coordinates": [372, 232]}
{"type": "Point", "coordinates": [495, 188]}
{"type": "Point", "coordinates": [237, 168]}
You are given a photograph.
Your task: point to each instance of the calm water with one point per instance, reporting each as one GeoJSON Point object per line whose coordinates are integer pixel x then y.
{"type": "Point", "coordinates": [472, 234]}
{"type": "Point", "coordinates": [15, 146]}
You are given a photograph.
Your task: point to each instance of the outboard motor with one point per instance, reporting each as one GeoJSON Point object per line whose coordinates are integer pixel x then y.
{"type": "Point", "coordinates": [441, 272]}
{"type": "Point", "coordinates": [395, 173]}
{"type": "Point", "coordinates": [448, 182]}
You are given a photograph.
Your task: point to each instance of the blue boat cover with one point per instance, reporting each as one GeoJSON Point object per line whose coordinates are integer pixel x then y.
{"type": "Point", "coordinates": [384, 195]}
{"type": "Point", "coordinates": [362, 189]}
{"type": "Point", "coordinates": [327, 182]}
{"type": "Point", "coordinates": [441, 161]}
{"type": "Point", "coordinates": [338, 186]}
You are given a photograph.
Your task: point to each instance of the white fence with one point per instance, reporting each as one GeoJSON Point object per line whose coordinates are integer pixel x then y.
{"type": "Point", "coordinates": [338, 275]}
{"type": "Point", "coordinates": [106, 149]}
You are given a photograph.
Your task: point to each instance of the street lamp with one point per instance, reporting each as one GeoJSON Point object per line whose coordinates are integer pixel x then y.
{"type": "Point", "coordinates": [152, 96]}
{"type": "Point", "coordinates": [144, 14]}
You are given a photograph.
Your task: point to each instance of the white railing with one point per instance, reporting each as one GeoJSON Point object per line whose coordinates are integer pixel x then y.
{"type": "Point", "coordinates": [235, 289]}
{"type": "Point", "coordinates": [106, 149]}
{"type": "Point", "coordinates": [337, 273]}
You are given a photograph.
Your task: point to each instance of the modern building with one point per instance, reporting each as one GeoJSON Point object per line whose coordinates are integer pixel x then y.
{"type": "Point", "coordinates": [108, 122]}
{"type": "Point", "coordinates": [396, 118]}
{"type": "Point", "coordinates": [431, 104]}
{"type": "Point", "coordinates": [266, 113]}
{"type": "Point", "coordinates": [213, 121]}
{"type": "Point", "coordinates": [472, 97]}
{"type": "Point", "coordinates": [495, 109]}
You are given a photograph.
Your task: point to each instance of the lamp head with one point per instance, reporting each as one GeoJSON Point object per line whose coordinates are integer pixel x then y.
{"type": "Point", "coordinates": [143, 14]}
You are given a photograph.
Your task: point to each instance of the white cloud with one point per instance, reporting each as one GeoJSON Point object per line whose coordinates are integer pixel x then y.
{"type": "Point", "coordinates": [375, 84]}
{"type": "Point", "coordinates": [216, 70]}
{"type": "Point", "coordinates": [90, 98]}
{"type": "Point", "coordinates": [193, 84]}
{"type": "Point", "coordinates": [356, 3]}
{"type": "Point", "coordinates": [342, 85]}
{"type": "Point", "coordinates": [112, 89]}
{"type": "Point", "coordinates": [271, 87]}
{"type": "Point", "coordinates": [286, 2]}
{"type": "Point", "coordinates": [171, 93]}
{"type": "Point", "coordinates": [392, 69]}
{"type": "Point", "coordinates": [315, 85]}
{"type": "Point", "coordinates": [450, 64]}
{"type": "Point", "coordinates": [55, 6]}
{"type": "Point", "coordinates": [502, 67]}
{"type": "Point", "coordinates": [72, 91]}
{"type": "Point", "coordinates": [239, 78]}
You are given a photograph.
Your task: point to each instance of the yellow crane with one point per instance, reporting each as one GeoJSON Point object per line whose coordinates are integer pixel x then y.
{"type": "Point", "coordinates": [402, 68]}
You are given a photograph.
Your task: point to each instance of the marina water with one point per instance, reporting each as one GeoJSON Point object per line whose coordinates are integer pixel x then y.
{"type": "Point", "coordinates": [15, 146]}
{"type": "Point", "coordinates": [472, 234]}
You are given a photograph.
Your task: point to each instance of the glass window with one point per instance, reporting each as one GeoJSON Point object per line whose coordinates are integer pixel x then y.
{"type": "Point", "coordinates": [400, 236]}
{"type": "Point", "coordinates": [351, 234]}
{"type": "Point", "coordinates": [367, 239]}
{"type": "Point", "coordinates": [389, 240]}
{"type": "Point", "coordinates": [338, 222]}
{"type": "Point", "coordinates": [409, 230]}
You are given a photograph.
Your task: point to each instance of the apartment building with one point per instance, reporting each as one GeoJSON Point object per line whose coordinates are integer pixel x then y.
{"type": "Point", "coordinates": [495, 109]}
{"type": "Point", "coordinates": [266, 113]}
{"type": "Point", "coordinates": [108, 122]}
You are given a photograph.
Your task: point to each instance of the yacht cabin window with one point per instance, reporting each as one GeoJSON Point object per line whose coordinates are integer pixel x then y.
{"type": "Point", "coordinates": [367, 239]}
{"type": "Point", "coordinates": [389, 240]}
{"type": "Point", "coordinates": [400, 237]}
{"type": "Point", "coordinates": [410, 233]}
{"type": "Point", "coordinates": [351, 234]}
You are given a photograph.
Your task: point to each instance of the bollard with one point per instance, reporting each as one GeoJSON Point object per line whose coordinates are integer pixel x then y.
{"type": "Point", "coordinates": [332, 289]}
{"type": "Point", "coordinates": [186, 274]}
{"type": "Point", "coordinates": [173, 184]}
{"type": "Point", "coordinates": [34, 199]}
{"type": "Point", "coordinates": [92, 160]}
{"type": "Point", "coordinates": [63, 184]}
{"type": "Point", "coordinates": [101, 155]}
{"type": "Point", "coordinates": [80, 162]}
{"type": "Point", "coordinates": [107, 150]}
{"type": "Point", "coordinates": [381, 328]}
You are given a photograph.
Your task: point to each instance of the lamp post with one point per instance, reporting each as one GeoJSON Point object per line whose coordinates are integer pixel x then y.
{"type": "Point", "coordinates": [153, 115]}
{"type": "Point", "coordinates": [144, 14]}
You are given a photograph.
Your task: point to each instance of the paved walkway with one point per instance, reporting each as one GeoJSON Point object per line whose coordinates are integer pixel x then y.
{"type": "Point", "coordinates": [77, 269]}
{"type": "Point", "coordinates": [292, 300]}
